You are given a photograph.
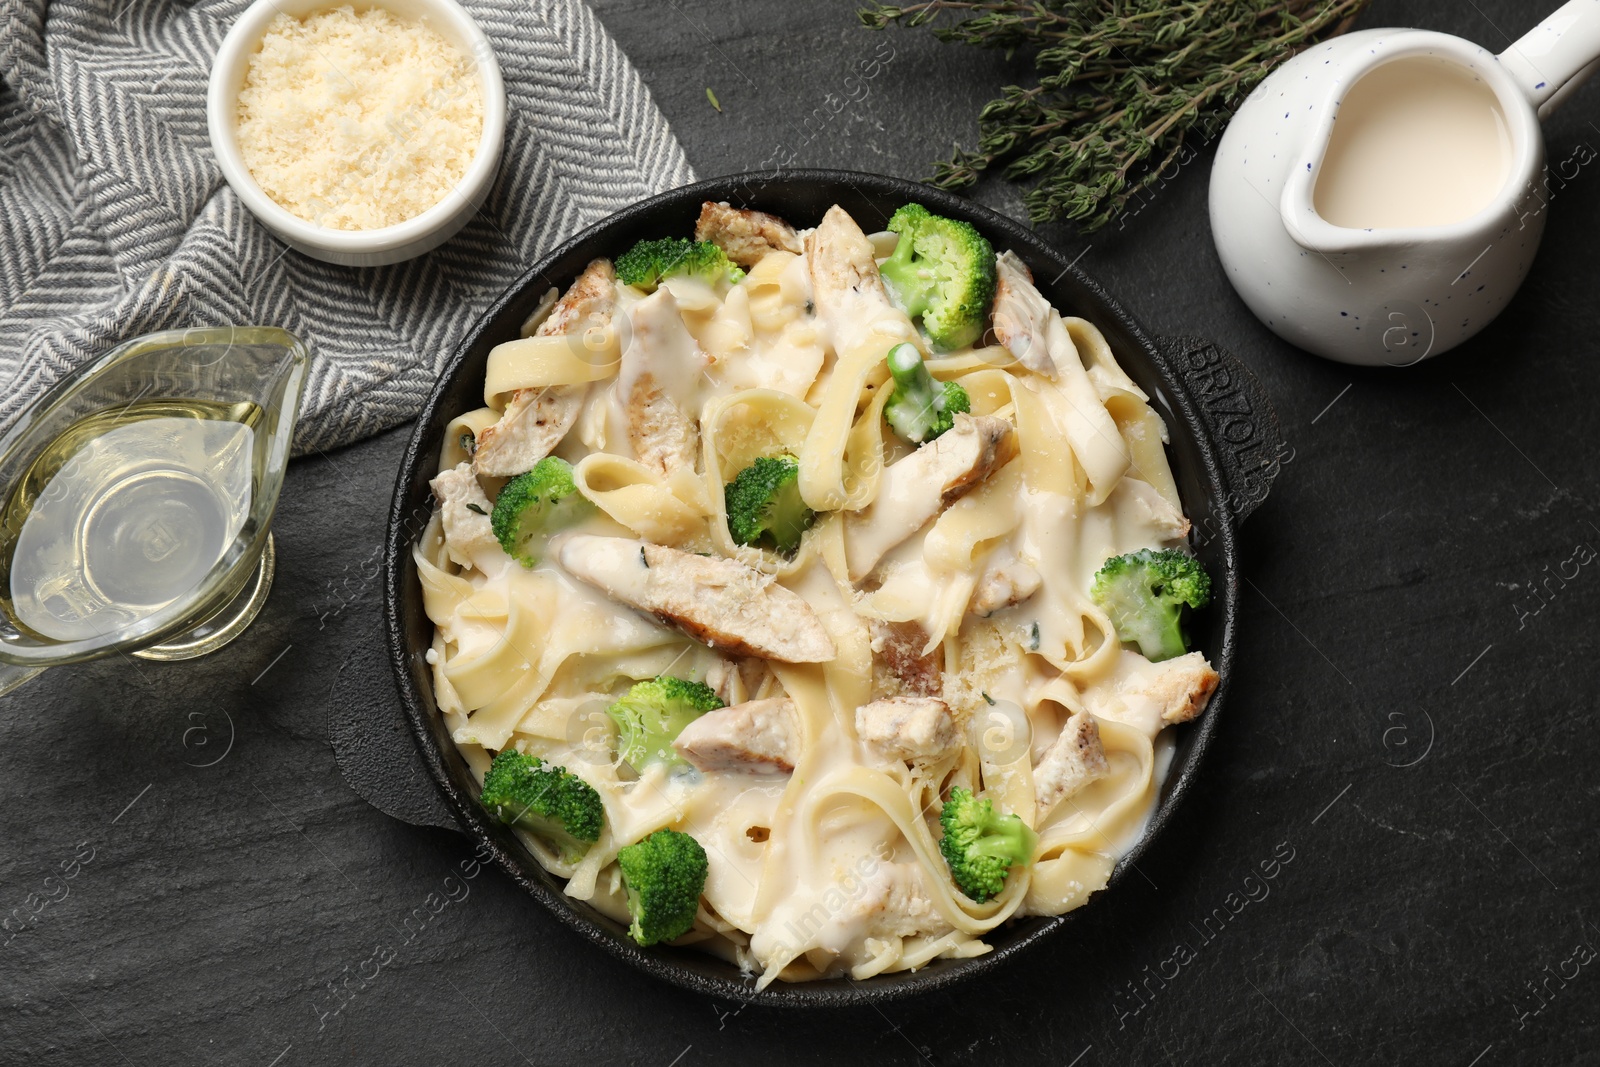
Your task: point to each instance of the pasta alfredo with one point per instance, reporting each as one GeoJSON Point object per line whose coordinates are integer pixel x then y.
{"type": "Point", "coordinates": [948, 586]}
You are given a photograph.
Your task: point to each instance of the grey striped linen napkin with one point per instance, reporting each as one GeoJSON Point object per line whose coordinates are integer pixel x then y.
{"type": "Point", "coordinates": [115, 221]}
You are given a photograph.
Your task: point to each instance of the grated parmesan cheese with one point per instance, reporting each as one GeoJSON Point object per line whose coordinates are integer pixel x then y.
{"type": "Point", "coordinates": [354, 121]}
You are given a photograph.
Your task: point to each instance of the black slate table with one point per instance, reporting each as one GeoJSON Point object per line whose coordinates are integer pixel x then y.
{"type": "Point", "coordinates": [1409, 734]}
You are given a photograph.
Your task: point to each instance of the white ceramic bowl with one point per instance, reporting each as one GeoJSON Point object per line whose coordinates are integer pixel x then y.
{"type": "Point", "coordinates": [358, 248]}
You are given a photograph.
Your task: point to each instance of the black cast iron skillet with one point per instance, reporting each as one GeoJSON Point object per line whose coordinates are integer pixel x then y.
{"type": "Point", "coordinates": [1224, 451]}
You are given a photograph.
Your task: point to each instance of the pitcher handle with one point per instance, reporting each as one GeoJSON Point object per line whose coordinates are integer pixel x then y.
{"type": "Point", "coordinates": [1556, 56]}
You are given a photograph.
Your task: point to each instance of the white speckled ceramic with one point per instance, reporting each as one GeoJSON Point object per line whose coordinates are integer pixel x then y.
{"type": "Point", "coordinates": [358, 248]}
{"type": "Point", "coordinates": [1386, 296]}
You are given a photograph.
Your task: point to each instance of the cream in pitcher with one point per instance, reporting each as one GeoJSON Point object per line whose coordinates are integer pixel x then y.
{"type": "Point", "coordinates": [1374, 200]}
{"type": "Point", "coordinates": [1418, 142]}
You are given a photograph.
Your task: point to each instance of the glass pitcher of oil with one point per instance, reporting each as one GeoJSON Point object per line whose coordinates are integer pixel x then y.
{"type": "Point", "coordinates": [138, 496]}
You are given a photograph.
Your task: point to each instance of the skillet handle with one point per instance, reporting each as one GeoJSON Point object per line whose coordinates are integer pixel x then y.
{"type": "Point", "coordinates": [373, 745]}
{"type": "Point", "coordinates": [1237, 415]}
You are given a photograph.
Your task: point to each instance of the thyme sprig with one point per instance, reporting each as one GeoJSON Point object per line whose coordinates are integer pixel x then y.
{"type": "Point", "coordinates": [1122, 86]}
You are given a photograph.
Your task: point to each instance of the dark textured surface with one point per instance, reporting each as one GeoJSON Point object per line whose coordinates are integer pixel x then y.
{"type": "Point", "coordinates": [256, 911]}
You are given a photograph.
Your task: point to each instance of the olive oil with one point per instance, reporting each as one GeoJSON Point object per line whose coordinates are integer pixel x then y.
{"type": "Point", "coordinates": [125, 513]}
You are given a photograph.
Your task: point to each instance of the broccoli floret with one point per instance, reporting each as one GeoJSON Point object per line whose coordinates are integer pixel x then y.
{"type": "Point", "coordinates": [980, 845]}
{"type": "Point", "coordinates": [650, 716]}
{"type": "Point", "coordinates": [1144, 594]}
{"type": "Point", "coordinates": [535, 505]}
{"type": "Point", "coordinates": [664, 876]}
{"type": "Point", "coordinates": [942, 270]}
{"type": "Point", "coordinates": [920, 408]}
{"type": "Point", "coordinates": [646, 263]}
{"type": "Point", "coordinates": [764, 504]}
{"type": "Point", "coordinates": [550, 801]}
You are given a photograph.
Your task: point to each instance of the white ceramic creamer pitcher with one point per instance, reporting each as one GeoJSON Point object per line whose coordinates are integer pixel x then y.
{"type": "Point", "coordinates": [1379, 198]}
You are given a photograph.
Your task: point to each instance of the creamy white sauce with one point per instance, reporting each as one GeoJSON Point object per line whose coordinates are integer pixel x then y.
{"type": "Point", "coordinates": [1417, 141]}
{"type": "Point", "coordinates": [837, 872]}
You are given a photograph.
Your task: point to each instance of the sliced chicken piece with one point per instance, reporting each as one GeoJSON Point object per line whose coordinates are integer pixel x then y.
{"type": "Point", "coordinates": [657, 384]}
{"type": "Point", "coordinates": [746, 236]}
{"type": "Point", "coordinates": [720, 602]}
{"type": "Point", "coordinates": [1072, 761]}
{"type": "Point", "coordinates": [848, 291]}
{"type": "Point", "coordinates": [908, 728]}
{"type": "Point", "coordinates": [1152, 695]}
{"type": "Point", "coordinates": [757, 735]}
{"type": "Point", "coordinates": [590, 302]}
{"type": "Point", "coordinates": [464, 510]}
{"type": "Point", "coordinates": [899, 666]}
{"type": "Point", "coordinates": [535, 420]}
{"type": "Point", "coordinates": [1004, 582]}
{"type": "Point", "coordinates": [841, 262]}
{"type": "Point", "coordinates": [918, 487]}
{"type": "Point", "coordinates": [892, 901]}
{"type": "Point", "coordinates": [1020, 314]}
{"type": "Point", "coordinates": [533, 423]}
{"type": "Point", "coordinates": [1181, 687]}
{"type": "Point", "coordinates": [1148, 506]}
